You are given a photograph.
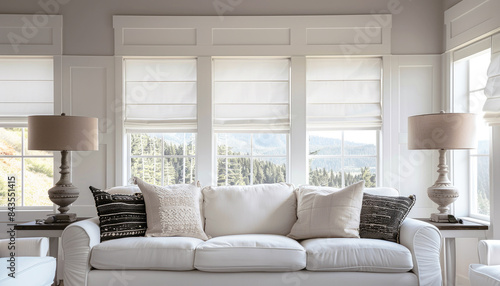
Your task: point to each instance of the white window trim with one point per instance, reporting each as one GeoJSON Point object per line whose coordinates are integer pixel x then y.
{"type": "Point", "coordinates": [458, 96]}
{"type": "Point", "coordinates": [200, 41]}
{"type": "Point", "coordinates": [343, 157]}
{"type": "Point", "coordinates": [252, 157]}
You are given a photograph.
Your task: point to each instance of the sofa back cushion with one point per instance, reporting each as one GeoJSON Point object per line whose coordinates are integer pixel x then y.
{"type": "Point", "coordinates": [256, 209]}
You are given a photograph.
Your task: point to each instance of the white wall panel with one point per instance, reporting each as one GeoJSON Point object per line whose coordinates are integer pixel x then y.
{"type": "Point", "coordinates": [471, 20]}
{"type": "Point", "coordinates": [88, 90]}
{"type": "Point", "coordinates": [416, 89]}
{"type": "Point", "coordinates": [252, 35]}
{"type": "Point", "coordinates": [35, 34]}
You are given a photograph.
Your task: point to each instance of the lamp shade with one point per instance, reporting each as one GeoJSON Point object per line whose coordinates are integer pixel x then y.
{"type": "Point", "coordinates": [60, 132]}
{"type": "Point", "coordinates": [442, 131]}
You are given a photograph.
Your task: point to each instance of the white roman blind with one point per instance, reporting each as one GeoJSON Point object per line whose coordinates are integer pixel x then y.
{"type": "Point", "coordinates": [344, 93]}
{"type": "Point", "coordinates": [26, 88]}
{"type": "Point", "coordinates": [252, 94]}
{"type": "Point", "coordinates": [491, 107]}
{"type": "Point", "coordinates": [160, 95]}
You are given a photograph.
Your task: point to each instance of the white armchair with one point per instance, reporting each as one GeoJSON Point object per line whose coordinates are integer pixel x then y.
{"type": "Point", "coordinates": [487, 273]}
{"type": "Point", "coordinates": [29, 266]}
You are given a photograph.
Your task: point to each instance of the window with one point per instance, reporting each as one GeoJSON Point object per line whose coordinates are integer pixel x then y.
{"type": "Point", "coordinates": [27, 88]}
{"type": "Point", "coordinates": [251, 111]}
{"type": "Point", "coordinates": [471, 168]}
{"type": "Point", "coordinates": [480, 157]}
{"type": "Point", "coordinates": [246, 159]}
{"type": "Point", "coordinates": [343, 119]}
{"type": "Point", "coordinates": [33, 169]}
{"type": "Point", "coordinates": [160, 119]}
{"type": "Point", "coordinates": [341, 158]}
{"type": "Point", "coordinates": [163, 158]}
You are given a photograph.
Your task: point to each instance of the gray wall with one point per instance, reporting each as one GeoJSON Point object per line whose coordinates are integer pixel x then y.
{"type": "Point", "coordinates": [88, 30]}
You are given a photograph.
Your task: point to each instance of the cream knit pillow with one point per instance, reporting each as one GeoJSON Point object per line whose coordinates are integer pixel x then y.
{"type": "Point", "coordinates": [326, 212]}
{"type": "Point", "coordinates": [173, 210]}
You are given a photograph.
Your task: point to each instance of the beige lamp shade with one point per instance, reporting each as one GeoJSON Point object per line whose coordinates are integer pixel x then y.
{"type": "Point", "coordinates": [60, 132]}
{"type": "Point", "coordinates": [442, 131]}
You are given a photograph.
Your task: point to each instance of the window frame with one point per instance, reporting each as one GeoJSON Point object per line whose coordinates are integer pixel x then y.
{"type": "Point", "coordinates": [21, 122]}
{"type": "Point", "coordinates": [252, 157]}
{"type": "Point", "coordinates": [342, 156]}
{"type": "Point", "coordinates": [22, 157]}
{"type": "Point", "coordinates": [162, 155]}
{"type": "Point", "coordinates": [465, 177]}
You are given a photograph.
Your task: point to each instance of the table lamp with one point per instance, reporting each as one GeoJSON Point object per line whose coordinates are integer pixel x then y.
{"type": "Point", "coordinates": [63, 133]}
{"type": "Point", "coordinates": [442, 131]}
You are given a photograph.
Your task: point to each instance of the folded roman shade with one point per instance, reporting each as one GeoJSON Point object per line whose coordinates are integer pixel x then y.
{"type": "Point", "coordinates": [491, 107]}
{"type": "Point", "coordinates": [160, 95]}
{"type": "Point", "coordinates": [251, 94]}
{"type": "Point", "coordinates": [26, 88]}
{"type": "Point", "coordinates": [344, 93]}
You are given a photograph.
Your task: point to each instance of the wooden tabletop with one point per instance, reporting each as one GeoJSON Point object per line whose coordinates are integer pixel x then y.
{"type": "Point", "coordinates": [466, 225]}
{"type": "Point", "coordinates": [32, 225]}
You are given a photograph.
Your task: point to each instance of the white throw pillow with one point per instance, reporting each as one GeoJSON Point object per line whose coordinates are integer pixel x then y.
{"type": "Point", "coordinates": [327, 212]}
{"type": "Point", "coordinates": [173, 210]}
{"type": "Point", "coordinates": [123, 190]}
{"type": "Point", "coordinates": [255, 209]}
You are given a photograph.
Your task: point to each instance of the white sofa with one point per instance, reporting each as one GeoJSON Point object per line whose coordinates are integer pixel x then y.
{"type": "Point", "coordinates": [31, 265]}
{"type": "Point", "coordinates": [249, 247]}
{"type": "Point", "coordinates": [487, 273]}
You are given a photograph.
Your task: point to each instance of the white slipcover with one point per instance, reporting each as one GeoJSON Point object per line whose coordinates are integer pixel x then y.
{"type": "Point", "coordinates": [155, 253]}
{"type": "Point", "coordinates": [347, 254]}
{"type": "Point", "coordinates": [250, 252]}
{"type": "Point", "coordinates": [263, 209]}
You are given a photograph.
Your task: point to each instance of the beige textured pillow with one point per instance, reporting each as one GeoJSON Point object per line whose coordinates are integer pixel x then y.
{"type": "Point", "coordinates": [327, 212]}
{"type": "Point", "coordinates": [173, 210]}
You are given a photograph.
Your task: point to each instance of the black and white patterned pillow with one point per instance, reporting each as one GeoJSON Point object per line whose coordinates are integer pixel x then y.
{"type": "Point", "coordinates": [120, 215]}
{"type": "Point", "coordinates": [382, 216]}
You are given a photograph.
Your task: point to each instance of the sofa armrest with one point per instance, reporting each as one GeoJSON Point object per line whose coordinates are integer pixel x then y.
{"type": "Point", "coordinates": [77, 242]}
{"type": "Point", "coordinates": [29, 246]}
{"type": "Point", "coordinates": [424, 242]}
{"type": "Point", "coordinates": [489, 252]}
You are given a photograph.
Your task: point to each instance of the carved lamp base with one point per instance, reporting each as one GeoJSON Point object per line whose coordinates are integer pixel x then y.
{"type": "Point", "coordinates": [442, 192]}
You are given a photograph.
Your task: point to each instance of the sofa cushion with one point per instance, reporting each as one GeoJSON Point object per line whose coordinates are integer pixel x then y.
{"type": "Point", "coordinates": [29, 271]}
{"type": "Point", "coordinates": [120, 215]}
{"type": "Point", "coordinates": [155, 253]}
{"type": "Point", "coordinates": [382, 216]}
{"type": "Point", "coordinates": [347, 254]}
{"type": "Point", "coordinates": [250, 252]}
{"type": "Point", "coordinates": [256, 209]}
{"type": "Point", "coordinates": [173, 210]}
{"type": "Point", "coordinates": [328, 212]}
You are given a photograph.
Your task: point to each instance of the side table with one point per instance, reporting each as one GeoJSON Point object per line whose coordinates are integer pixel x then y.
{"type": "Point", "coordinates": [51, 230]}
{"type": "Point", "coordinates": [450, 231]}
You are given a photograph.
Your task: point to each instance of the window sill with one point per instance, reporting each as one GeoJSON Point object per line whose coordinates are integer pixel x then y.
{"type": "Point", "coordinates": [476, 220]}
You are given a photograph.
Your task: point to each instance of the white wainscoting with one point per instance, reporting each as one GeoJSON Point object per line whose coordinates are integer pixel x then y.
{"type": "Point", "coordinates": [416, 87]}
{"type": "Point", "coordinates": [252, 35]}
{"type": "Point", "coordinates": [35, 34]}
{"type": "Point", "coordinates": [88, 90]}
{"type": "Point", "coordinates": [471, 20]}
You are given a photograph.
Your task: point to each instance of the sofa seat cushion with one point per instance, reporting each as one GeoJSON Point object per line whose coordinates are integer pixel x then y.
{"type": "Point", "coordinates": [351, 254]}
{"type": "Point", "coordinates": [250, 252]}
{"type": "Point", "coordinates": [153, 253]}
{"type": "Point", "coordinates": [28, 271]}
